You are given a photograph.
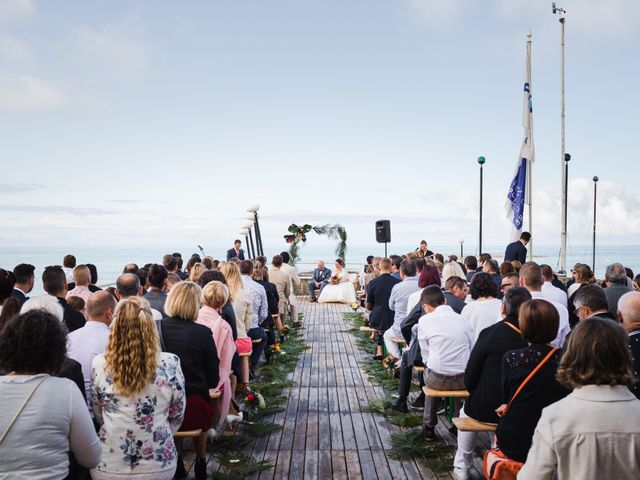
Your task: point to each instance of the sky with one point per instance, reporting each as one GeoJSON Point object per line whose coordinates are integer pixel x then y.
{"type": "Point", "coordinates": [158, 123]}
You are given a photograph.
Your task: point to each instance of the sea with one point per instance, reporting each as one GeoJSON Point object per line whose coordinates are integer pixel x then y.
{"type": "Point", "coordinates": [110, 261]}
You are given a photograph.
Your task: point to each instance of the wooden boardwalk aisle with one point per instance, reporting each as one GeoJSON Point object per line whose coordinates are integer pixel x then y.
{"type": "Point", "coordinates": [325, 434]}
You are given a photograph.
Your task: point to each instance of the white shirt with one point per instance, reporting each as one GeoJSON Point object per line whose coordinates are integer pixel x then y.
{"type": "Point", "coordinates": [84, 344]}
{"type": "Point", "coordinates": [482, 314]}
{"type": "Point", "coordinates": [563, 327]}
{"type": "Point", "coordinates": [445, 340]}
{"type": "Point", "coordinates": [413, 300]}
{"type": "Point", "coordinates": [554, 294]}
{"type": "Point", "coordinates": [398, 301]}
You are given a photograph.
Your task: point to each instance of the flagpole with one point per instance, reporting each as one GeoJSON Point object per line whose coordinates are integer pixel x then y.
{"type": "Point", "coordinates": [529, 165]}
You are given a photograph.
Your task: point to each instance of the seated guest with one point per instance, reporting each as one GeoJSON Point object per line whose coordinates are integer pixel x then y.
{"type": "Point", "coordinates": [378, 293]}
{"type": "Point", "coordinates": [195, 271]}
{"type": "Point", "coordinates": [157, 281]}
{"type": "Point", "coordinates": [471, 264]}
{"type": "Point", "coordinates": [594, 432]}
{"type": "Point", "coordinates": [396, 260]}
{"type": "Point", "coordinates": [582, 275]}
{"type": "Point", "coordinates": [485, 308]}
{"type": "Point", "coordinates": [319, 280]}
{"type": "Point", "coordinates": [9, 309]}
{"type": "Point", "coordinates": [214, 296]}
{"type": "Point", "coordinates": [254, 309]}
{"type": "Point", "coordinates": [484, 371]}
{"type": "Point", "coordinates": [194, 345]}
{"type": "Point", "coordinates": [82, 279]}
{"type": "Point", "coordinates": [55, 284]}
{"type": "Point", "coordinates": [373, 273]}
{"type": "Point", "coordinates": [616, 281]}
{"type": "Point", "coordinates": [172, 279]}
{"type": "Point", "coordinates": [398, 301]}
{"type": "Point", "coordinates": [455, 293]}
{"type": "Point", "coordinates": [340, 288]}
{"type": "Point", "coordinates": [591, 300]}
{"type": "Point", "coordinates": [243, 309]}
{"type": "Point", "coordinates": [629, 316]}
{"type": "Point", "coordinates": [445, 343]}
{"type": "Point", "coordinates": [130, 268]}
{"type": "Point", "coordinates": [451, 269]}
{"type": "Point", "coordinates": [78, 303]}
{"type": "Point", "coordinates": [429, 275]}
{"type": "Point", "coordinates": [517, 265]}
{"type": "Point", "coordinates": [71, 369]}
{"type": "Point", "coordinates": [68, 264]}
{"type": "Point", "coordinates": [43, 418]}
{"type": "Point", "coordinates": [261, 276]}
{"type": "Point", "coordinates": [24, 279]}
{"type": "Point", "coordinates": [491, 267]}
{"type": "Point", "coordinates": [7, 282]}
{"type": "Point", "coordinates": [549, 289]}
{"type": "Point", "coordinates": [94, 277]}
{"type": "Point", "coordinates": [531, 279]}
{"type": "Point", "coordinates": [506, 268]}
{"type": "Point", "coordinates": [128, 285]}
{"type": "Point", "coordinates": [520, 412]}
{"type": "Point", "coordinates": [91, 340]}
{"type": "Point", "coordinates": [137, 396]}
{"type": "Point", "coordinates": [282, 281]}
{"type": "Point", "coordinates": [227, 313]}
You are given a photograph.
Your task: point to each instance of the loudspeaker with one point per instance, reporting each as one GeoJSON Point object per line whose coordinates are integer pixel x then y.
{"type": "Point", "coordinates": [383, 231]}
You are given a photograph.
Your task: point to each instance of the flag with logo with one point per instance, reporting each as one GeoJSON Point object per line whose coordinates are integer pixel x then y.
{"type": "Point", "coordinates": [519, 192]}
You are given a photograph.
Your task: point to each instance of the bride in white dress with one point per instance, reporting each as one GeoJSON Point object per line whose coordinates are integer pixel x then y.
{"type": "Point", "coordinates": [340, 292]}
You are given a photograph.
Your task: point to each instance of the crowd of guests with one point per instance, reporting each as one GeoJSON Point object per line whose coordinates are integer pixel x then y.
{"type": "Point", "coordinates": [555, 366]}
{"type": "Point", "coordinates": [98, 381]}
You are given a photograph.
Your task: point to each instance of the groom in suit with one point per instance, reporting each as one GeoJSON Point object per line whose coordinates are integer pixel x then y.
{"type": "Point", "coordinates": [320, 279]}
{"type": "Point", "coordinates": [236, 251]}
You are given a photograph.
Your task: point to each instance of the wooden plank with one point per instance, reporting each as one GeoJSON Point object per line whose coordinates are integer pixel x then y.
{"type": "Point", "coordinates": [338, 464]}
{"type": "Point", "coordinates": [353, 464]}
{"type": "Point", "coordinates": [301, 420]}
{"type": "Point", "coordinates": [367, 467]}
{"type": "Point", "coordinates": [312, 441]}
{"type": "Point", "coordinates": [283, 465]}
{"type": "Point", "coordinates": [311, 460]}
{"type": "Point", "coordinates": [325, 470]}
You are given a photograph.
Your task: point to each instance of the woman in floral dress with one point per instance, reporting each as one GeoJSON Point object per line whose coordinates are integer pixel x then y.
{"type": "Point", "coordinates": [138, 398]}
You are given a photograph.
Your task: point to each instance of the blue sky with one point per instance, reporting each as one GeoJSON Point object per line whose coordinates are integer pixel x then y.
{"type": "Point", "coordinates": [158, 123]}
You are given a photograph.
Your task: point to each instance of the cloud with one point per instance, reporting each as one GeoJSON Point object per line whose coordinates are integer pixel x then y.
{"type": "Point", "coordinates": [15, 51]}
{"type": "Point", "coordinates": [113, 49]}
{"type": "Point", "coordinates": [366, 218]}
{"type": "Point", "coordinates": [440, 14]}
{"type": "Point", "coordinates": [15, 10]}
{"type": "Point", "coordinates": [20, 187]}
{"type": "Point", "coordinates": [55, 209]}
{"type": "Point", "coordinates": [26, 93]}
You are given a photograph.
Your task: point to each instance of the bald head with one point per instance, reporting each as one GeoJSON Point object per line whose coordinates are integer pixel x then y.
{"type": "Point", "coordinates": [128, 285]}
{"type": "Point", "coordinates": [100, 306]}
{"type": "Point", "coordinates": [629, 311]}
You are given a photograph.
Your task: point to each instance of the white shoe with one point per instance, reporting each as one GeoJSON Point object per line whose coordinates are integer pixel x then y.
{"type": "Point", "coordinates": [460, 473]}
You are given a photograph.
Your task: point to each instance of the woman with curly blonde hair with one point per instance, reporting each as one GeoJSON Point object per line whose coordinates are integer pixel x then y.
{"type": "Point", "coordinates": [242, 306]}
{"type": "Point", "coordinates": [137, 395]}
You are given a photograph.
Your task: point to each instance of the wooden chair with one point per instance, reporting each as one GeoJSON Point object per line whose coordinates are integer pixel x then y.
{"type": "Point", "coordinates": [373, 331]}
{"type": "Point", "coordinates": [448, 396]}
{"type": "Point", "coordinates": [471, 425]}
{"type": "Point", "coordinates": [418, 368]}
{"type": "Point", "coordinates": [181, 435]}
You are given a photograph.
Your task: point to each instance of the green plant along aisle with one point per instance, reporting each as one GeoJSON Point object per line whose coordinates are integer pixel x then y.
{"type": "Point", "coordinates": [407, 444]}
{"type": "Point", "coordinates": [264, 400]}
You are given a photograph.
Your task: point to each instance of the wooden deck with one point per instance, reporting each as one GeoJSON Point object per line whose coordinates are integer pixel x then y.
{"type": "Point", "coordinates": [325, 434]}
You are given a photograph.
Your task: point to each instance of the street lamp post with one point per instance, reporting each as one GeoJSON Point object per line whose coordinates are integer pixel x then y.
{"type": "Point", "coordinates": [245, 232]}
{"type": "Point", "coordinates": [481, 162]}
{"type": "Point", "coordinates": [252, 248]}
{"type": "Point", "coordinates": [593, 245]}
{"type": "Point", "coordinates": [254, 212]}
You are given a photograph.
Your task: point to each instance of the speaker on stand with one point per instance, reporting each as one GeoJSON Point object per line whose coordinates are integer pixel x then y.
{"type": "Point", "coordinates": [383, 233]}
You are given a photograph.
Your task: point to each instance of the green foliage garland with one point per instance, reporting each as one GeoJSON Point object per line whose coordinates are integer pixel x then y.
{"type": "Point", "coordinates": [298, 234]}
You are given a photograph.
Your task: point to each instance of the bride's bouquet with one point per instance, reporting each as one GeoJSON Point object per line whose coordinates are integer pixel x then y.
{"type": "Point", "coordinates": [334, 280]}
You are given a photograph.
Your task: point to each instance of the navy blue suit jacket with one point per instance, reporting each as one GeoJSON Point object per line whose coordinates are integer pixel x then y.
{"type": "Point", "coordinates": [516, 251]}
{"type": "Point", "coordinates": [231, 253]}
{"type": "Point", "coordinates": [321, 275]}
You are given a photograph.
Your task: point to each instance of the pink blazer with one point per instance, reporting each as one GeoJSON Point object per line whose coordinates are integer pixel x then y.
{"type": "Point", "coordinates": [226, 347]}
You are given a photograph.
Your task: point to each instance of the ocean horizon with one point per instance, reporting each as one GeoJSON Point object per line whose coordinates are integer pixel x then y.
{"type": "Point", "coordinates": [110, 261]}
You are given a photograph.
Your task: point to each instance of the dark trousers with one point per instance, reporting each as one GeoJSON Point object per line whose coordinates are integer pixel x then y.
{"type": "Point", "coordinates": [406, 373]}
{"type": "Point", "coordinates": [441, 382]}
{"type": "Point", "coordinates": [258, 348]}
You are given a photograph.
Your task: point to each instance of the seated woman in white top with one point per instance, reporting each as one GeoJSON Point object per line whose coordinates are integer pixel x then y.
{"type": "Point", "coordinates": [137, 394]}
{"type": "Point", "coordinates": [340, 288]}
{"type": "Point", "coordinates": [594, 432]}
{"type": "Point", "coordinates": [485, 308]}
{"type": "Point", "coordinates": [43, 418]}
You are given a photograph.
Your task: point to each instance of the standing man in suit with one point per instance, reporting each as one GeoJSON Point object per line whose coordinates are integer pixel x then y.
{"type": "Point", "coordinates": [236, 251]}
{"type": "Point", "coordinates": [518, 250]}
{"type": "Point", "coordinates": [25, 277]}
{"type": "Point", "coordinates": [320, 279]}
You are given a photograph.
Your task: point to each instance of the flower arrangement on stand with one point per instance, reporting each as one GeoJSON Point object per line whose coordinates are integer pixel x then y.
{"type": "Point", "coordinates": [275, 352]}
{"type": "Point", "coordinates": [254, 400]}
